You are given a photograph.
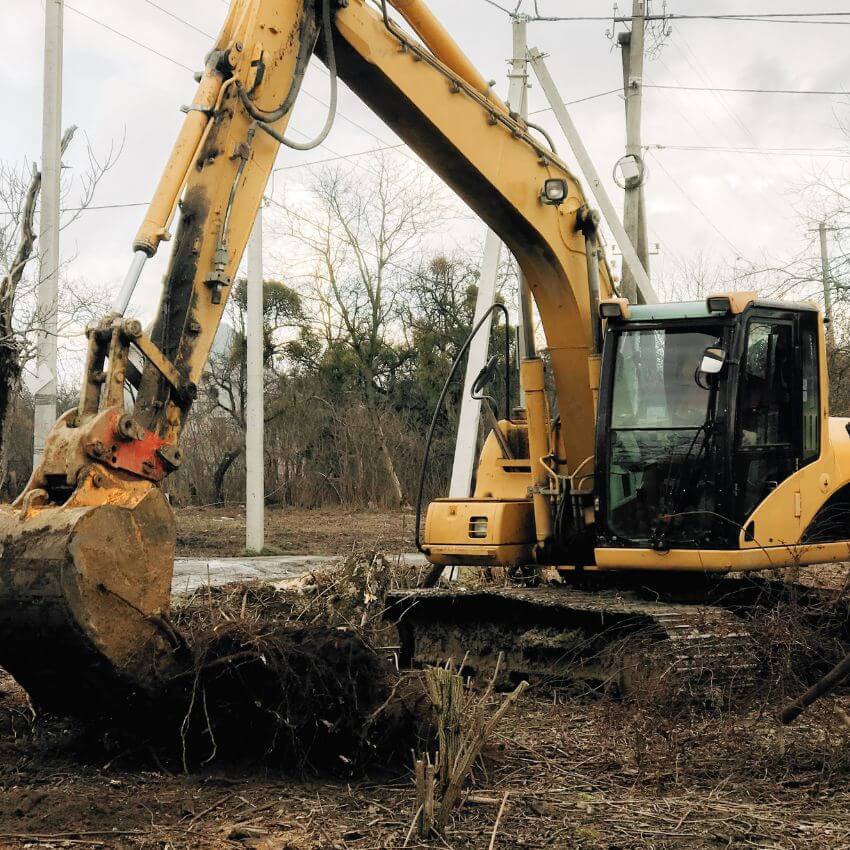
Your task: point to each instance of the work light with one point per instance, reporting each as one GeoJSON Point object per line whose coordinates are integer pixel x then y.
{"type": "Point", "coordinates": [719, 304]}
{"type": "Point", "coordinates": [554, 191]}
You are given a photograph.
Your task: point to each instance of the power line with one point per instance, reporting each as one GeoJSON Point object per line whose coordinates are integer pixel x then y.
{"type": "Point", "coordinates": [307, 93]}
{"type": "Point", "coordinates": [502, 8]}
{"type": "Point", "coordinates": [128, 38]}
{"type": "Point", "coordinates": [120, 206]}
{"type": "Point", "coordinates": [339, 157]}
{"type": "Point", "coordinates": [837, 153]}
{"type": "Point", "coordinates": [618, 90]}
{"type": "Point", "coordinates": [825, 92]}
{"type": "Point", "coordinates": [756, 17]}
{"type": "Point", "coordinates": [178, 18]}
{"type": "Point", "coordinates": [703, 73]}
{"type": "Point", "coordinates": [698, 208]}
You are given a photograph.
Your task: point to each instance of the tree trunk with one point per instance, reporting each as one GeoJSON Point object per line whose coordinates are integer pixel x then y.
{"type": "Point", "coordinates": [10, 387]}
{"type": "Point", "coordinates": [221, 472]}
{"type": "Point", "coordinates": [10, 344]}
{"type": "Point", "coordinates": [389, 466]}
{"type": "Point", "coordinates": [386, 457]}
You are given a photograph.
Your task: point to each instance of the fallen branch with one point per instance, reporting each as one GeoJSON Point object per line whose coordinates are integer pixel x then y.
{"type": "Point", "coordinates": [828, 683]}
{"type": "Point", "coordinates": [498, 818]}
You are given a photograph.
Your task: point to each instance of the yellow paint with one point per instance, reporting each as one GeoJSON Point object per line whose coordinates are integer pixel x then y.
{"type": "Point", "coordinates": [534, 382]}
{"type": "Point", "coordinates": [738, 301]}
{"type": "Point", "coordinates": [479, 531]}
{"type": "Point", "coordinates": [443, 46]}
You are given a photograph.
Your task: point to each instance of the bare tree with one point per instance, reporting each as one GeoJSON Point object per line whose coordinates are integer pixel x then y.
{"type": "Point", "coordinates": [363, 232]}
{"type": "Point", "coordinates": [225, 380]}
{"type": "Point", "coordinates": [20, 321]}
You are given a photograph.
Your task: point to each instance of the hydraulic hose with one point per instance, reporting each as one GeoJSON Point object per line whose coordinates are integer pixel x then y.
{"type": "Point", "coordinates": [439, 406]}
{"type": "Point", "coordinates": [266, 119]}
{"type": "Point", "coordinates": [543, 133]}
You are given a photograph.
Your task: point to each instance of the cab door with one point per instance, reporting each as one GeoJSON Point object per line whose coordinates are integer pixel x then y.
{"type": "Point", "coordinates": [767, 441]}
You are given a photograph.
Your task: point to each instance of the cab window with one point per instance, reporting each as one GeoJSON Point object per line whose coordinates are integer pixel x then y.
{"type": "Point", "coordinates": [811, 394]}
{"type": "Point", "coordinates": [766, 409]}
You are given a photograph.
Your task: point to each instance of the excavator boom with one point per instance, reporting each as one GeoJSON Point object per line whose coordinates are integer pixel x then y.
{"type": "Point", "coordinates": [86, 551]}
{"type": "Point", "coordinates": [598, 473]}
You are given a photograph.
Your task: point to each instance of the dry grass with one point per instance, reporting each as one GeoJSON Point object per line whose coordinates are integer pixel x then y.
{"type": "Point", "coordinates": [580, 773]}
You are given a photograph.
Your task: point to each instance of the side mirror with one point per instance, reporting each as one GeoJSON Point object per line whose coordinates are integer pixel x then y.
{"type": "Point", "coordinates": [712, 361]}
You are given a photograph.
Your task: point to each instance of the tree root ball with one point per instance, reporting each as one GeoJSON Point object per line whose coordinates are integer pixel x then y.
{"type": "Point", "coordinates": [302, 697]}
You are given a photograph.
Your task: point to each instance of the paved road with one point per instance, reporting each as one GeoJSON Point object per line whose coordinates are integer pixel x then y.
{"type": "Point", "coordinates": [191, 573]}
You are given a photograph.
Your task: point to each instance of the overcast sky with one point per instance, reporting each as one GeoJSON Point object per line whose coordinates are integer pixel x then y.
{"type": "Point", "coordinates": [718, 203]}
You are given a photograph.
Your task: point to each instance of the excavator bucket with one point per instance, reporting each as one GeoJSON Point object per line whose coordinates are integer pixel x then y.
{"type": "Point", "coordinates": [83, 593]}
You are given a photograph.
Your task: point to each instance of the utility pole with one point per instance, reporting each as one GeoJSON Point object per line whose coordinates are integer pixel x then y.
{"type": "Point", "coordinates": [48, 238]}
{"type": "Point", "coordinates": [254, 414]}
{"type": "Point", "coordinates": [470, 411]}
{"type": "Point", "coordinates": [518, 102]}
{"type": "Point", "coordinates": [591, 176]}
{"type": "Point", "coordinates": [632, 167]}
{"type": "Point", "coordinates": [827, 291]}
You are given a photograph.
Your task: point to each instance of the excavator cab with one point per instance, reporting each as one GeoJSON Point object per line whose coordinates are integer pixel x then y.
{"type": "Point", "coordinates": [705, 409]}
{"type": "Point", "coordinates": [713, 451]}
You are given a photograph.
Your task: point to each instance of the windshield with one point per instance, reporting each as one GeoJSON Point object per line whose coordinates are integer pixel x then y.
{"type": "Point", "coordinates": [654, 383]}
{"type": "Point", "coordinates": [660, 444]}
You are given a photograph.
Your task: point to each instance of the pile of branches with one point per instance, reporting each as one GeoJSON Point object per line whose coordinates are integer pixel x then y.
{"type": "Point", "coordinates": [291, 675]}
{"type": "Point", "coordinates": [798, 640]}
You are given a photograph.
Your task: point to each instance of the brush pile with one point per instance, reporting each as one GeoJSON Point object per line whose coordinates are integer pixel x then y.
{"type": "Point", "coordinates": [292, 675]}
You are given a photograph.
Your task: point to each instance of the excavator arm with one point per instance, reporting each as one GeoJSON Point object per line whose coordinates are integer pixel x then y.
{"type": "Point", "coordinates": [86, 552]}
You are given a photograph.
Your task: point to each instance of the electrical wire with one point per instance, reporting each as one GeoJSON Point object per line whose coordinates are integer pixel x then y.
{"type": "Point", "coordinates": [698, 208]}
{"type": "Point", "coordinates": [832, 153]}
{"type": "Point", "coordinates": [178, 18]}
{"type": "Point", "coordinates": [304, 92]}
{"type": "Point", "coordinates": [128, 38]}
{"type": "Point", "coordinates": [121, 206]}
{"type": "Point", "coordinates": [820, 92]}
{"type": "Point", "coordinates": [501, 8]}
{"type": "Point", "coordinates": [756, 17]}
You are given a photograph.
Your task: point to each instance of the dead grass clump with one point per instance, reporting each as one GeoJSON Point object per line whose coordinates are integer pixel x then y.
{"type": "Point", "coordinates": [796, 643]}
{"type": "Point", "coordinates": [353, 593]}
{"type": "Point", "coordinates": [297, 696]}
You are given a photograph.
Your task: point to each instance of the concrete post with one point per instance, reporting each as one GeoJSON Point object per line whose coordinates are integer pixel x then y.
{"type": "Point", "coordinates": [48, 239]}
{"type": "Point", "coordinates": [591, 176]}
{"type": "Point", "coordinates": [470, 410]}
{"type": "Point", "coordinates": [254, 415]}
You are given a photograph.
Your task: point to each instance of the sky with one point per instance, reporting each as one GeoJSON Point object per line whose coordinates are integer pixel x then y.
{"type": "Point", "coordinates": [732, 207]}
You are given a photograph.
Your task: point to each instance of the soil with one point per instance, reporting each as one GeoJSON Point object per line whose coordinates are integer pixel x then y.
{"type": "Point", "coordinates": [203, 532]}
{"type": "Point", "coordinates": [568, 773]}
{"type": "Point", "coordinates": [588, 773]}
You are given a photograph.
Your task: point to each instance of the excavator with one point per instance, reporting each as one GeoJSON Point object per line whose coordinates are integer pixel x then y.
{"type": "Point", "coordinates": [659, 446]}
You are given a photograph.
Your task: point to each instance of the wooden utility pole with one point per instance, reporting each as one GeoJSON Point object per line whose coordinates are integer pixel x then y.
{"type": "Point", "coordinates": [632, 165]}
{"type": "Point", "coordinates": [48, 238]}
{"type": "Point", "coordinates": [827, 290]}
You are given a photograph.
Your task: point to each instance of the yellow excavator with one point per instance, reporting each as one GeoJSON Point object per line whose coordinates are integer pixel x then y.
{"type": "Point", "coordinates": [680, 440]}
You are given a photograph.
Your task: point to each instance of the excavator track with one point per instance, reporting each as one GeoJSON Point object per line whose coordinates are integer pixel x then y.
{"type": "Point", "coordinates": [614, 641]}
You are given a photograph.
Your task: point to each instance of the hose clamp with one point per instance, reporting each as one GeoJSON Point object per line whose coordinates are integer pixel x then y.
{"type": "Point", "coordinates": [197, 108]}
